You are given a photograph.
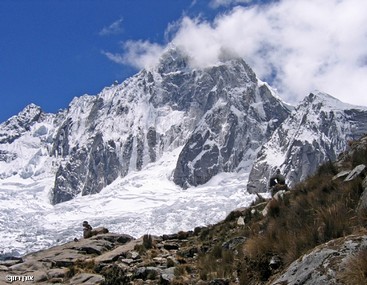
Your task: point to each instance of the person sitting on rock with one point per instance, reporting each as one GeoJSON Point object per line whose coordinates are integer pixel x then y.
{"type": "Point", "coordinates": [277, 183]}
{"type": "Point", "coordinates": [87, 230]}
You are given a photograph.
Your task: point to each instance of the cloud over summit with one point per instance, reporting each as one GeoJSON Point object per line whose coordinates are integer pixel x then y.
{"type": "Point", "coordinates": [297, 46]}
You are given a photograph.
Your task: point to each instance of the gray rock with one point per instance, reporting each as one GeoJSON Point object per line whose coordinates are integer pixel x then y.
{"type": "Point", "coordinates": [61, 145]}
{"type": "Point", "coordinates": [321, 265]}
{"type": "Point", "coordinates": [233, 243]}
{"type": "Point", "coordinates": [127, 261]}
{"type": "Point", "coordinates": [113, 238]}
{"type": "Point", "coordinates": [87, 279]}
{"type": "Point", "coordinates": [116, 253]}
{"type": "Point", "coordinates": [167, 276]}
{"type": "Point", "coordinates": [149, 272]}
{"type": "Point", "coordinates": [133, 255]}
{"type": "Point", "coordinates": [341, 174]}
{"type": "Point", "coordinates": [40, 276]}
{"type": "Point", "coordinates": [355, 172]}
{"type": "Point", "coordinates": [58, 272]}
{"type": "Point", "coordinates": [102, 168]}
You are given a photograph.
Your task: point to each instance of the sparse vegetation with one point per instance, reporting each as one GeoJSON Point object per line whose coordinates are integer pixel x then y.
{"type": "Point", "coordinates": [355, 271]}
{"type": "Point", "coordinates": [218, 263]}
{"type": "Point", "coordinates": [81, 266]}
{"type": "Point", "coordinates": [115, 275]}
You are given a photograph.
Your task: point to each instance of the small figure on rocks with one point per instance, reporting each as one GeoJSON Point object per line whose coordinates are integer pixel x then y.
{"type": "Point", "coordinates": [277, 183]}
{"type": "Point", "coordinates": [87, 230]}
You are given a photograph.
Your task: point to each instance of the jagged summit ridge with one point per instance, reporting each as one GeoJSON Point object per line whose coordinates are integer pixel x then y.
{"type": "Point", "coordinates": [316, 131]}
{"type": "Point", "coordinates": [219, 116]}
{"type": "Point", "coordinates": [13, 128]}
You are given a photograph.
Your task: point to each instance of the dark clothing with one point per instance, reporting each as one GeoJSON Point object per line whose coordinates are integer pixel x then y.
{"type": "Point", "coordinates": [277, 183]}
{"type": "Point", "coordinates": [276, 179]}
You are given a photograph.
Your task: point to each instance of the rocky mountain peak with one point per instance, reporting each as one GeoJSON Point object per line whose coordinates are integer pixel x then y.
{"type": "Point", "coordinates": [316, 131]}
{"type": "Point", "coordinates": [13, 128]}
{"type": "Point", "coordinates": [319, 100]}
{"type": "Point", "coordinates": [173, 60]}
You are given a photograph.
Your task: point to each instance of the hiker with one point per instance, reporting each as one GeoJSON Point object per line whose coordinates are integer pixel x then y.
{"type": "Point", "coordinates": [87, 230]}
{"type": "Point", "coordinates": [277, 183]}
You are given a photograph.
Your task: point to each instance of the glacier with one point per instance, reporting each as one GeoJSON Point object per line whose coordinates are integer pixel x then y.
{"type": "Point", "coordinates": [142, 202]}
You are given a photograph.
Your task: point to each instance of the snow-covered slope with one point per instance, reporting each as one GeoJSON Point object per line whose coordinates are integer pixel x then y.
{"type": "Point", "coordinates": [145, 201]}
{"type": "Point", "coordinates": [315, 132]}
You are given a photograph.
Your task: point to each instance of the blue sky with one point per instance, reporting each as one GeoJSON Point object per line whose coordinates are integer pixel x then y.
{"type": "Point", "coordinates": [50, 51]}
{"type": "Point", "coordinates": [54, 50]}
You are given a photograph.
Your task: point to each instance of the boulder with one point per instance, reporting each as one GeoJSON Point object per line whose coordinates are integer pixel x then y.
{"type": "Point", "coordinates": [241, 221]}
{"type": "Point", "coordinates": [120, 251]}
{"type": "Point", "coordinates": [233, 243]}
{"type": "Point", "coordinates": [355, 172]}
{"type": "Point", "coordinates": [322, 265]}
{"type": "Point", "coordinates": [145, 273]}
{"type": "Point", "coordinates": [167, 276]}
{"type": "Point", "coordinates": [341, 174]}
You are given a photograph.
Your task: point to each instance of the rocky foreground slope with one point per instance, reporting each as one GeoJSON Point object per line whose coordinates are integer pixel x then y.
{"type": "Point", "coordinates": [315, 234]}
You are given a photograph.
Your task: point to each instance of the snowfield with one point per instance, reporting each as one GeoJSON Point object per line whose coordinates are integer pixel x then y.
{"type": "Point", "coordinates": [142, 202]}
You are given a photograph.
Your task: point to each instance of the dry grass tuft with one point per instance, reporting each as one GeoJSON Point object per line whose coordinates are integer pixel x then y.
{"type": "Point", "coordinates": [355, 270]}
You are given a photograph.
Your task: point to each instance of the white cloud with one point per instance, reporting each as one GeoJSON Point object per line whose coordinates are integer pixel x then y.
{"type": "Point", "coordinates": [113, 29]}
{"type": "Point", "coordinates": [139, 54]}
{"type": "Point", "coordinates": [226, 3]}
{"type": "Point", "coordinates": [297, 46]}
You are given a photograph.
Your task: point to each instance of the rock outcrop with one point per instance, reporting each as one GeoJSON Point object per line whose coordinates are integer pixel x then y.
{"type": "Point", "coordinates": [325, 264]}
{"type": "Point", "coordinates": [102, 259]}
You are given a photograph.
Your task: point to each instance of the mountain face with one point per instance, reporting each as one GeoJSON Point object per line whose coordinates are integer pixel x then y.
{"type": "Point", "coordinates": [222, 118]}
{"type": "Point", "coordinates": [238, 116]}
{"type": "Point", "coordinates": [316, 131]}
{"type": "Point", "coordinates": [219, 116]}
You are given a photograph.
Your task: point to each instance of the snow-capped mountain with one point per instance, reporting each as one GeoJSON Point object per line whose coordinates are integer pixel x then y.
{"type": "Point", "coordinates": [137, 144]}
{"type": "Point", "coordinates": [220, 115]}
{"type": "Point", "coordinates": [316, 131]}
